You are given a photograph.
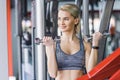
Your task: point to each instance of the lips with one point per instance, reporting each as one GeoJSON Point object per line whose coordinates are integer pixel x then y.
{"type": "Point", "coordinates": [62, 27]}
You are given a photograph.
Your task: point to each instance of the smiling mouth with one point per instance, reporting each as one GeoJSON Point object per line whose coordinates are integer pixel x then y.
{"type": "Point", "coordinates": [62, 27]}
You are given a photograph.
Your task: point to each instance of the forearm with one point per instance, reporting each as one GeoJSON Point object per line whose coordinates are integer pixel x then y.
{"type": "Point", "coordinates": [93, 56]}
{"type": "Point", "coordinates": [51, 61]}
{"type": "Point", "coordinates": [94, 51]}
{"type": "Point", "coordinates": [92, 59]}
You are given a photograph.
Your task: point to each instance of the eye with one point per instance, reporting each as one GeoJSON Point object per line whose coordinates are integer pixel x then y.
{"type": "Point", "coordinates": [66, 18]}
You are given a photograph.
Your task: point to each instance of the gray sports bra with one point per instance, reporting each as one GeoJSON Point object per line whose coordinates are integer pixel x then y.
{"type": "Point", "coordinates": [70, 62]}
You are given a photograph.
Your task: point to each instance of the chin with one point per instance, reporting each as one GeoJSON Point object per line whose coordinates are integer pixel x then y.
{"type": "Point", "coordinates": [63, 30]}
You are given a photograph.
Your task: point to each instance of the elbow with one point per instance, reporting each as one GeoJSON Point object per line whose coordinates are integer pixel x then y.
{"type": "Point", "coordinates": [52, 72]}
{"type": "Point", "coordinates": [88, 70]}
{"type": "Point", "coordinates": [53, 75]}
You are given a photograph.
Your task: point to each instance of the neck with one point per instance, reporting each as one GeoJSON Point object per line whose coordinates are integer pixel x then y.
{"type": "Point", "coordinates": [68, 36]}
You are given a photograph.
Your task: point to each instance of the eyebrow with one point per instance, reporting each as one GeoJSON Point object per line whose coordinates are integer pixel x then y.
{"type": "Point", "coordinates": [64, 17]}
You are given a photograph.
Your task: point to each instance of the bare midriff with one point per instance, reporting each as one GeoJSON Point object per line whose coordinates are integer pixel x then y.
{"type": "Point", "coordinates": [68, 74]}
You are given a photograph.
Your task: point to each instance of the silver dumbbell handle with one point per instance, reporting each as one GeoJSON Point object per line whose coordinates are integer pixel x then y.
{"type": "Point", "coordinates": [38, 41]}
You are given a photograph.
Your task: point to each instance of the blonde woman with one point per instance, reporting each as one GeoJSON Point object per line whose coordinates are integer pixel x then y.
{"type": "Point", "coordinates": [68, 58]}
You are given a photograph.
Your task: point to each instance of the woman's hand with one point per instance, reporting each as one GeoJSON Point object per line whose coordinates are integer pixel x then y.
{"type": "Point", "coordinates": [48, 41]}
{"type": "Point", "coordinates": [96, 37]}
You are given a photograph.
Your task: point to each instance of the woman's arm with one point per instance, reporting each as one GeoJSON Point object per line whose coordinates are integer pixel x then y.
{"type": "Point", "coordinates": [92, 59]}
{"type": "Point", "coordinates": [92, 55]}
{"type": "Point", "coordinates": [50, 53]}
{"type": "Point", "coordinates": [87, 53]}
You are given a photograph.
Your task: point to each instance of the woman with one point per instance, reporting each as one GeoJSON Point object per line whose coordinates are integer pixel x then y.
{"type": "Point", "coordinates": [68, 58]}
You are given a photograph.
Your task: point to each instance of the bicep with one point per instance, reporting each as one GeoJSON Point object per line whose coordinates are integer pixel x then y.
{"type": "Point", "coordinates": [87, 47]}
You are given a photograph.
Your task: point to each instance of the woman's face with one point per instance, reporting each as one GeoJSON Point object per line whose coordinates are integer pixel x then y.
{"type": "Point", "coordinates": [66, 21]}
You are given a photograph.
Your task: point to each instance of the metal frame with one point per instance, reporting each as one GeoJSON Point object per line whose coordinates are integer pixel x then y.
{"type": "Point", "coordinates": [33, 19]}
{"type": "Point", "coordinates": [40, 52]}
{"type": "Point", "coordinates": [19, 36]}
{"type": "Point", "coordinates": [3, 41]}
{"type": "Point", "coordinates": [104, 27]}
{"type": "Point", "coordinates": [86, 17]}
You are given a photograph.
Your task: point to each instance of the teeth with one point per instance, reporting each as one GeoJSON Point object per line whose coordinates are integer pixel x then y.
{"type": "Point", "coordinates": [62, 26]}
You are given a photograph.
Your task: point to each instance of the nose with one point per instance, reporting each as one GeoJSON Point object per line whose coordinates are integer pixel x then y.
{"type": "Point", "coordinates": [61, 22]}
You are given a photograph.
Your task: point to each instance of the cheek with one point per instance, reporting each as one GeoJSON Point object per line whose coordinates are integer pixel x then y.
{"type": "Point", "coordinates": [71, 23]}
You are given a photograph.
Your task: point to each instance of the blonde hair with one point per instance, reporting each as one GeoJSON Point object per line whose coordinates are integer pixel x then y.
{"type": "Point", "coordinates": [74, 11]}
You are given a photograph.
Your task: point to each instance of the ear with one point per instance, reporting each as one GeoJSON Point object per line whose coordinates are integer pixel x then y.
{"type": "Point", "coordinates": [76, 21]}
